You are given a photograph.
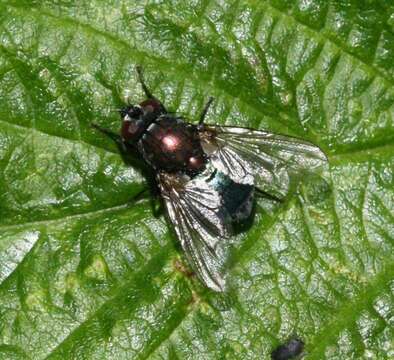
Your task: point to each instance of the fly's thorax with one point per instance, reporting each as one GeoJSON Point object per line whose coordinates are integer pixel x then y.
{"type": "Point", "coordinates": [172, 145]}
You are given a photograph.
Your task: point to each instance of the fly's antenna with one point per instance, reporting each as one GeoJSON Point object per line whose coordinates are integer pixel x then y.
{"type": "Point", "coordinates": [205, 110]}
{"type": "Point", "coordinates": [112, 110]}
{"type": "Point", "coordinates": [142, 82]}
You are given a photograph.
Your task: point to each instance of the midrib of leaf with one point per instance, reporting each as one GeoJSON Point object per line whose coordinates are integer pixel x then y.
{"type": "Point", "coordinates": [47, 222]}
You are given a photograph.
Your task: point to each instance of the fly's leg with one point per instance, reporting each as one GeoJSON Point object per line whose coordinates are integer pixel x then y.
{"type": "Point", "coordinates": [107, 132]}
{"type": "Point", "coordinates": [113, 136]}
{"type": "Point", "coordinates": [142, 82]}
{"type": "Point", "coordinates": [204, 111]}
{"type": "Point", "coordinates": [152, 191]}
{"type": "Point", "coordinates": [147, 92]}
{"type": "Point", "coordinates": [140, 195]}
{"type": "Point", "coordinates": [127, 150]}
{"type": "Point", "coordinates": [153, 198]}
{"type": "Point", "coordinates": [156, 204]}
{"type": "Point", "coordinates": [263, 194]}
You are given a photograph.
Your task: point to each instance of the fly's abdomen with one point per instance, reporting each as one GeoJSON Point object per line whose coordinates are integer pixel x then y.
{"type": "Point", "coordinates": [237, 198]}
{"type": "Point", "coordinates": [172, 145]}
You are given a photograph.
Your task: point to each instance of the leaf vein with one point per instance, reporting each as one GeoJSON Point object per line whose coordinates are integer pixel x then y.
{"type": "Point", "coordinates": [336, 42]}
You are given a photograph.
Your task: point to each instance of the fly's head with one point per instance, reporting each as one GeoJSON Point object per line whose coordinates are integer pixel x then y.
{"type": "Point", "coordinates": [137, 118]}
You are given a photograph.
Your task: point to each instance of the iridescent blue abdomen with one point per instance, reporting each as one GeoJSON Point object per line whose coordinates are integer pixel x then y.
{"type": "Point", "coordinates": [237, 198]}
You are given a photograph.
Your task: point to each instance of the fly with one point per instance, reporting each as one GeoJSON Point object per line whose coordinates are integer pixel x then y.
{"type": "Point", "coordinates": [290, 350]}
{"type": "Point", "coordinates": [208, 175]}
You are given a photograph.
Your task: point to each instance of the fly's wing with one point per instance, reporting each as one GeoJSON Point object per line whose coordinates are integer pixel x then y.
{"type": "Point", "coordinates": [201, 224]}
{"type": "Point", "coordinates": [260, 158]}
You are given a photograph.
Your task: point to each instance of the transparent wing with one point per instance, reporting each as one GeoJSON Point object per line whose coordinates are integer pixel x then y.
{"type": "Point", "coordinates": [201, 224]}
{"type": "Point", "coordinates": [269, 161]}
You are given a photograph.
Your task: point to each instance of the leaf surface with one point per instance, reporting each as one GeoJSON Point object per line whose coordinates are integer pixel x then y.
{"type": "Point", "coordinates": [85, 273]}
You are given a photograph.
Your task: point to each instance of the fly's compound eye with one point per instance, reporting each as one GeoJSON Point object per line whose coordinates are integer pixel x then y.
{"type": "Point", "coordinates": [132, 130]}
{"type": "Point", "coordinates": [131, 112]}
{"type": "Point", "coordinates": [124, 111]}
{"type": "Point", "coordinates": [136, 112]}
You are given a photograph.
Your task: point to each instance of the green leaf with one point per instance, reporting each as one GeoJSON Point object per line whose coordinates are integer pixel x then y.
{"type": "Point", "coordinates": [85, 273]}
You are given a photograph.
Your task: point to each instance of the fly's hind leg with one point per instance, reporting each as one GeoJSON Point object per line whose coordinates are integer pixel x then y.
{"type": "Point", "coordinates": [128, 151]}
{"type": "Point", "coordinates": [150, 193]}
{"type": "Point", "coordinates": [153, 190]}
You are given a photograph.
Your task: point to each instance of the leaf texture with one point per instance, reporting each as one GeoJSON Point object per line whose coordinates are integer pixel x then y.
{"type": "Point", "coordinates": [85, 273]}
